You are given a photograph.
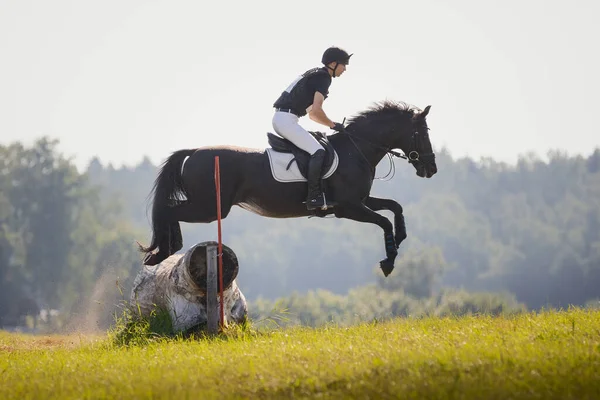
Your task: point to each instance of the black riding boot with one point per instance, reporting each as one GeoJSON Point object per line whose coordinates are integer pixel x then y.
{"type": "Point", "coordinates": [315, 198]}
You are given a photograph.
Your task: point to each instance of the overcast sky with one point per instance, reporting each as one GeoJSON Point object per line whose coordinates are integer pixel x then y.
{"type": "Point", "coordinates": [124, 79]}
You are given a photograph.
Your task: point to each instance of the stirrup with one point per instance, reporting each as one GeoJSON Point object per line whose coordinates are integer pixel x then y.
{"type": "Point", "coordinates": [323, 207]}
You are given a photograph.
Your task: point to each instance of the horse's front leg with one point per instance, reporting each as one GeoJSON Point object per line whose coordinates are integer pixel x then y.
{"type": "Point", "coordinates": [361, 213]}
{"type": "Point", "coordinates": [377, 204]}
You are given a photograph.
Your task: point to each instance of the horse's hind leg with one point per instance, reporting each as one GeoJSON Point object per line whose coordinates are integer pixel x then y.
{"type": "Point", "coordinates": [175, 237]}
{"type": "Point", "coordinates": [181, 212]}
{"type": "Point", "coordinates": [191, 213]}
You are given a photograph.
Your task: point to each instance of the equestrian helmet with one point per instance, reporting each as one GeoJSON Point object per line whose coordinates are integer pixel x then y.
{"type": "Point", "coordinates": [335, 54]}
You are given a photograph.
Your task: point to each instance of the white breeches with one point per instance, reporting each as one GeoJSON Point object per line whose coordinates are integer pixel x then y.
{"type": "Point", "coordinates": [286, 125]}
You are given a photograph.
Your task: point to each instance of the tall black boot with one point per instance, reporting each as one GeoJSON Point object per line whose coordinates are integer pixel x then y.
{"type": "Point", "coordinates": [315, 198]}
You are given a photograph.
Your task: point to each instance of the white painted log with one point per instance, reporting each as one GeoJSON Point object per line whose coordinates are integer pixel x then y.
{"type": "Point", "coordinates": [178, 285]}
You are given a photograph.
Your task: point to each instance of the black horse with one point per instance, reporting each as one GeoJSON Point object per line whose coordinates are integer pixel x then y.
{"type": "Point", "coordinates": [185, 187]}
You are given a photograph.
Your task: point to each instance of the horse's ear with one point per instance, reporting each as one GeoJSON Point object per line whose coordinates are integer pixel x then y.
{"type": "Point", "coordinates": [425, 112]}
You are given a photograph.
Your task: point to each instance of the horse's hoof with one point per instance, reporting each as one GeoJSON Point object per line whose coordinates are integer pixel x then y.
{"type": "Point", "coordinates": [151, 259]}
{"type": "Point", "coordinates": [387, 266]}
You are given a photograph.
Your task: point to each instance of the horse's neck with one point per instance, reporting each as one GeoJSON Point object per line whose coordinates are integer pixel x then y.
{"type": "Point", "coordinates": [369, 146]}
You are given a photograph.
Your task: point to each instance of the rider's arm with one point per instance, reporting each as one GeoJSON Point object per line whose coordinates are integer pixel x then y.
{"type": "Point", "coordinates": [316, 113]}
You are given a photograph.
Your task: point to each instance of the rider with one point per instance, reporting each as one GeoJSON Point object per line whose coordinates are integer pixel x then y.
{"type": "Point", "coordinates": [306, 95]}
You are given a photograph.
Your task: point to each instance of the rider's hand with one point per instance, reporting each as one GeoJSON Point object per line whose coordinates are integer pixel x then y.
{"type": "Point", "coordinates": [338, 127]}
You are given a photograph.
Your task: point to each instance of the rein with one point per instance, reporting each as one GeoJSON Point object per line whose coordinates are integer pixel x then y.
{"type": "Point", "coordinates": [388, 151]}
{"type": "Point", "coordinates": [413, 155]}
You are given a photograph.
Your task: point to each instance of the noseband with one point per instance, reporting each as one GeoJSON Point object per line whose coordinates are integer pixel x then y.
{"type": "Point", "coordinates": [414, 155]}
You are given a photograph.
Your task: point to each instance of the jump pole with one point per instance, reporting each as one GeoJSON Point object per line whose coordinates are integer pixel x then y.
{"type": "Point", "coordinates": [220, 249]}
{"type": "Point", "coordinates": [215, 320]}
{"type": "Point", "coordinates": [212, 313]}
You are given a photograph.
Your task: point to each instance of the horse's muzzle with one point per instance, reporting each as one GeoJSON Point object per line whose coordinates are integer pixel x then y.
{"type": "Point", "coordinates": [431, 170]}
{"type": "Point", "coordinates": [426, 170]}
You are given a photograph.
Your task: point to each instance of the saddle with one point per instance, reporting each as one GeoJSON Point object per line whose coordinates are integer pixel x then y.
{"type": "Point", "coordinates": [301, 157]}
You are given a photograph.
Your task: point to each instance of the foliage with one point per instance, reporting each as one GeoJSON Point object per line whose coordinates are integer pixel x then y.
{"type": "Point", "coordinates": [58, 240]}
{"type": "Point", "coordinates": [528, 235]}
{"type": "Point", "coordinates": [372, 303]}
{"type": "Point", "coordinates": [133, 329]}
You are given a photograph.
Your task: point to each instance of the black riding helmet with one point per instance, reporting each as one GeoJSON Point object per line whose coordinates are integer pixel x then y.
{"type": "Point", "coordinates": [337, 55]}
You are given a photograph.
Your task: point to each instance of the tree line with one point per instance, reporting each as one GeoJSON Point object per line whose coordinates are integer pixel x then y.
{"type": "Point", "coordinates": [497, 236]}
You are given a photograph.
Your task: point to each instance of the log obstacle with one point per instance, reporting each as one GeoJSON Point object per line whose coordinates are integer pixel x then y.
{"type": "Point", "coordinates": [197, 287]}
{"type": "Point", "coordinates": [181, 285]}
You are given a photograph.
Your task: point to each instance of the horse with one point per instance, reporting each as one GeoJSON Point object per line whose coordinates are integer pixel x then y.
{"type": "Point", "coordinates": [272, 183]}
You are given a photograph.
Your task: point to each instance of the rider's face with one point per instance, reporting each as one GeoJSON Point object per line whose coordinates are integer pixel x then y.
{"type": "Point", "coordinates": [341, 68]}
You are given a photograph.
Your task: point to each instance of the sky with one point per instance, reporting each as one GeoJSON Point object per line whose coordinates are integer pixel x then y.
{"type": "Point", "coordinates": [122, 80]}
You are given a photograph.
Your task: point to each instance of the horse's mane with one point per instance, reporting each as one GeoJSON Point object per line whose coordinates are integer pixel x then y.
{"type": "Point", "coordinates": [398, 109]}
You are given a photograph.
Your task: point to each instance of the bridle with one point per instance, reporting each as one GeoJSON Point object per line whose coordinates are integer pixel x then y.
{"type": "Point", "coordinates": [413, 155]}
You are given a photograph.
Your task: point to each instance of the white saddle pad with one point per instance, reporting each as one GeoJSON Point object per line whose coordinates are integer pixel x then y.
{"type": "Point", "coordinates": [280, 161]}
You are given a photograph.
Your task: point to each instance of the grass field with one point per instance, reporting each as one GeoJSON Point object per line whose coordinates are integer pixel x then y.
{"type": "Point", "coordinates": [550, 355]}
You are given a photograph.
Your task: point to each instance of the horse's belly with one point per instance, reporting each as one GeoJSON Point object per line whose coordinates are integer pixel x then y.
{"type": "Point", "coordinates": [254, 208]}
{"type": "Point", "coordinates": [274, 212]}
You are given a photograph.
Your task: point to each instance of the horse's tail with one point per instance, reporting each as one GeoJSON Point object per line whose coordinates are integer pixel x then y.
{"type": "Point", "coordinates": [168, 191]}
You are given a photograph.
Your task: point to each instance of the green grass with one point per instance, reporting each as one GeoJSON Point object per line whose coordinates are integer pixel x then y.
{"type": "Point", "coordinates": [550, 355]}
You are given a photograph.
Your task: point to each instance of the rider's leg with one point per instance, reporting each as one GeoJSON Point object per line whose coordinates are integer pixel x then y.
{"type": "Point", "coordinates": [286, 125]}
{"type": "Point", "coordinates": [315, 198]}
